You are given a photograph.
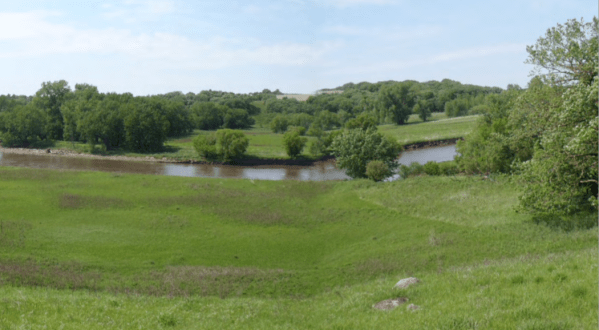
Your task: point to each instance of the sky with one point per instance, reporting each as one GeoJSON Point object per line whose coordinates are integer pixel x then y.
{"type": "Point", "coordinates": [147, 47]}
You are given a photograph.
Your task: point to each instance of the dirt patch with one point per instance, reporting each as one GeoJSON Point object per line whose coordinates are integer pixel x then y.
{"type": "Point", "coordinates": [431, 144]}
{"type": "Point", "coordinates": [390, 304]}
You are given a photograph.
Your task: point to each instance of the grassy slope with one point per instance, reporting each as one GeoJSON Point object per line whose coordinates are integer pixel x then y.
{"type": "Point", "coordinates": [285, 254]}
{"type": "Point", "coordinates": [265, 144]}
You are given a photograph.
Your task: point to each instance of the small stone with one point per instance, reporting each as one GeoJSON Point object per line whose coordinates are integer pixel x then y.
{"type": "Point", "coordinates": [389, 304]}
{"type": "Point", "coordinates": [406, 282]}
{"type": "Point", "coordinates": [412, 307]}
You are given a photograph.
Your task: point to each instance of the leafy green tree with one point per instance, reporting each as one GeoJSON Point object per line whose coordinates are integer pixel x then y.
{"type": "Point", "coordinates": [231, 144]}
{"type": "Point", "coordinates": [105, 123]}
{"type": "Point", "coordinates": [294, 143]}
{"type": "Point", "coordinates": [208, 115]}
{"type": "Point", "coordinates": [354, 148]}
{"type": "Point", "coordinates": [423, 109]}
{"type": "Point", "coordinates": [279, 124]}
{"type": "Point", "coordinates": [145, 124]}
{"type": "Point", "coordinates": [397, 100]}
{"type": "Point", "coordinates": [567, 53]}
{"type": "Point", "coordinates": [50, 98]}
{"type": "Point", "coordinates": [237, 119]}
{"type": "Point", "coordinates": [561, 178]}
{"type": "Point", "coordinates": [363, 121]}
{"type": "Point", "coordinates": [22, 126]}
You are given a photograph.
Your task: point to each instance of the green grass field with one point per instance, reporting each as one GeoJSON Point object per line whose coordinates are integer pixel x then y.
{"type": "Point", "coordinates": [264, 144]}
{"type": "Point", "coordinates": [99, 250]}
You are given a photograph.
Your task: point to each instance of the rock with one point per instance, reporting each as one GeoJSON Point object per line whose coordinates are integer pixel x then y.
{"type": "Point", "coordinates": [406, 282]}
{"type": "Point", "coordinates": [390, 303]}
{"type": "Point", "coordinates": [413, 307]}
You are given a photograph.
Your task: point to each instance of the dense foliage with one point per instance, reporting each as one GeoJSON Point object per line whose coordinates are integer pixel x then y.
{"type": "Point", "coordinates": [355, 148]}
{"type": "Point", "coordinates": [224, 145]}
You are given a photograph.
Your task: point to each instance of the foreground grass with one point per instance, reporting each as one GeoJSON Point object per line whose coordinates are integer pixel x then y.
{"type": "Point", "coordinates": [554, 291]}
{"type": "Point", "coordinates": [264, 144]}
{"type": "Point", "coordinates": [156, 251]}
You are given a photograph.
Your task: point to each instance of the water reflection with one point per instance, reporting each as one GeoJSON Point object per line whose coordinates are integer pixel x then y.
{"type": "Point", "coordinates": [320, 171]}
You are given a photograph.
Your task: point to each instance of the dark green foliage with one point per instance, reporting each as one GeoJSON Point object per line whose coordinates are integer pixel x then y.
{"type": "Point", "coordinates": [22, 126]}
{"type": "Point", "coordinates": [355, 148]}
{"type": "Point", "coordinates": [208, 115]}
{"type": "Point", "coordinates": [377, 170]}
{"type": "Point", "coordinates": [205, 146]}
{"type": "Point", "coordinates": [224, 145]}
{"type": "Point", "coordinates": [179, 118]}
{"type": "Point", "coordinates": [448, 168]}
{"type": "Point", "coordinates": [294, 143]}
{"type": "Point", "coordinates": [363, 121]}
{"type": "Point", "coordinates": [432, 168]}
{"type": "Point", "coordinates": [231, 144]}
{"type": "Point", "coordinates": [279, 124]}
{"type": "Point", "coordinates": [413, 169]}
{"type": "Point", "coordinates": [322, 146]}
{"type": "Point", "coordinates": [237, 119]}
{"type": "Point", "coordinates": [397, 101]}
{"type": "Point", "coordinates": [301, 130]}
{"type": "Point", "coordinates": [146, 125]}
{"type": "Point", "coordinates": [50, 98]}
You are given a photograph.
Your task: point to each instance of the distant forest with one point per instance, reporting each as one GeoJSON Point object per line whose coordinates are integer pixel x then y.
{"type": "Point", "coordinates": [143, 123]}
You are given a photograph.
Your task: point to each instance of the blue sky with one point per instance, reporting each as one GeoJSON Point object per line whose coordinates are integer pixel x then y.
{"type": "Point", "coordinates": [158, 46]}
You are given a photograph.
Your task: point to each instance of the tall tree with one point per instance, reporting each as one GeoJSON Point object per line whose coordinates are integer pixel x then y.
{"type": "Point", "coordinates": [397, 100]}
{"type": "Point", "coordinates": [50, 98]}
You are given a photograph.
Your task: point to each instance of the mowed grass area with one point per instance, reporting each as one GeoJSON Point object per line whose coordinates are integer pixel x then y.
{"type": "Point", "coordinates": [99, 250]}
{"type": "Point", "coordinates": [441, 129]}
{"type": "Point", "coordinates": [264, 144]}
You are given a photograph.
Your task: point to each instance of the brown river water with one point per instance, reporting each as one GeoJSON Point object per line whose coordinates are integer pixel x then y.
{"type": "Point", "coordinates": [319, 171]}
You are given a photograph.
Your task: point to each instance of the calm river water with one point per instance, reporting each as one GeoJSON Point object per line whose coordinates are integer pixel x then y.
{"type": "Point", "coordinates": [320, 171]}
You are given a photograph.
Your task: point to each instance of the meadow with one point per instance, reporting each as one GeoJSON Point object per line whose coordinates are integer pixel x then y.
{"type": "Point", "coordinates": [264, 144]}
{"type": "Point", "coordinates": [111, 251]}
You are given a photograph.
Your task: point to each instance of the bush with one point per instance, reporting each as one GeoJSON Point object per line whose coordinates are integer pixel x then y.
{"type": "Point", "coordinates": [231, 144]}
{"type": "Point", "coordinates": [301, 130]}
{"type": "Point", "coordinates": [205, 146]}
{"type": "Point", "coordinates": [432, 168]}
{"type": "Point", "coordinates": [224, 144]}
{"type": "Point", "coordinates": [294, 143]}
{"type": "Point", "coordinates": [355, 148]}
{"type": "Point", "coordinates": [413, 169]}
{"type": "Point", "coordinates": [448, 168]}
{"type": "Point", "coordinates": [279, 124]}
{"type": "Point", "coordinates": [377, 170]}
{"type": "Point", "coordinates": [238, 119]}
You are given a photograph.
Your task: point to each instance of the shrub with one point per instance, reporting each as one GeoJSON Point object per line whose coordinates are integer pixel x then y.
{"type": "Point", "coordinates": [377, 170]}
{"type": "Point", "coordinates": [448, 168]}
{"type": "Point", "coordinates": [414, 168]}
{"type": "Point", "coordinates": [355, 148]}
{"type": "Point", "coordinates": [279, 124]}
{"type": "Point", "coordinates": [205, 146]}
{"type": "Point", "coordinates": [294, 143]}
{"type": "Point", "coordinates": [231, 144]}
{"type": "Point", "coordinates": [224, 144]}
{"type": "Point", "coordinates": [432, 168]}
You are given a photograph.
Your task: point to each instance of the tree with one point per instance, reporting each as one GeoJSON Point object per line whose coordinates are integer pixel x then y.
{"type": "Point", "coordinates": [561, 177]}
{"type": "Point", "coordinates": [279, 124]}
{"type": "Point", "coordinates": [567, 53]}
{"type": "Point", "coordinates": [208, 115]}
{"type": "Point", "coordinates": [423, 109]}
{"type": "Point", "coordinates": [145, 124]}
{"type": "Point", "coordinates": [50, 98]}
{"type": "Point", "coordinates": [377, 170]}
{"type": "Point", "coordinates": [237, 119]}
{"type": "Point", "coordinates": [22, 126]}
{"type": "Point", "coordinates": [231, 144]}
{"type": "Point", "coordinates": [294, 143]}
{"type": "Point", "coordinates": [363, 121]}
{"type": "Point", "coordinates": [397, 100]}
{"type": "Point", "coordinates": [354, 148]}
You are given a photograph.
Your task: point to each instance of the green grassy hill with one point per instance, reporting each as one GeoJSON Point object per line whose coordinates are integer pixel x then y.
{"type": "Point", "coordinates": [100, 250]}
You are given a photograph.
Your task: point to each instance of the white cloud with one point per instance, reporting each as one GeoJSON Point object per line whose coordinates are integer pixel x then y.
{"type": "Point", "coordinates": [463, 54]}
{"type": "Point", "coordinates": [390, 32]}
{"type": "Point", "coordinates": [31, 35]}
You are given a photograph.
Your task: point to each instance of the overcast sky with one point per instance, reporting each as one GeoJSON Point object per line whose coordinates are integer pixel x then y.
{"type": "Point", "coordinates": [158, 46]}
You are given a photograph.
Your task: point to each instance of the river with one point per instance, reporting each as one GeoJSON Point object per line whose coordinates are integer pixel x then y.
{"type": "Point", "coordinates": [320, 171]}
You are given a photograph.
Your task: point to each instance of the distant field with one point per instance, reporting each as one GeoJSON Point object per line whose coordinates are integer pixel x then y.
{"type": "Point", "coordinates": [99, 250]}
{"type": "Point", "coordinates": [267, 145]}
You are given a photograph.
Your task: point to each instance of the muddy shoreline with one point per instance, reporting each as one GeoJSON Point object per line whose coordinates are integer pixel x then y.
{"type": "Point", "coordinates": [241, 162]}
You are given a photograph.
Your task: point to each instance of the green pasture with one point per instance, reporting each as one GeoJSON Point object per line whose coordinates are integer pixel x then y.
{"type": "Point", "coordinates": [440, 129]}
{"type": "Point", "coordinates": [118, 251]}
